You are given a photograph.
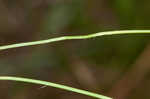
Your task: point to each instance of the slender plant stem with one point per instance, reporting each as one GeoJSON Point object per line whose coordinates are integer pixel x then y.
{"type": "Point", "coordinates": [27, 80]}
{"type": "Point", "coordinates": [74, 37]}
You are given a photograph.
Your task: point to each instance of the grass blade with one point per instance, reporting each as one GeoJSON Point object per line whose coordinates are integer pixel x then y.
{"type": "Point", "coordinates": [27, 80]}
{"type": "Point", "coordinates": [74, 37]}
{"type": "Point", "coordinates": [45, 83]}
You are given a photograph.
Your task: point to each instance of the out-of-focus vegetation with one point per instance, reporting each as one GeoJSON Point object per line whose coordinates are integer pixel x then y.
{"type": "Point", "coordinates": [116, 66]}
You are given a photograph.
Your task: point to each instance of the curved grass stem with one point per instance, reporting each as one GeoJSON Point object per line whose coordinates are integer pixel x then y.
{"type": "Point", "coordinates": [27, 80]}
{"type": "Point", "coordinates": [74, 37]}
{"type": "Point", "coordinates": [45, 83]}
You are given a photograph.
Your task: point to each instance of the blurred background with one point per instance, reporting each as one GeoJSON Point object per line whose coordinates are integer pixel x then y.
{"type": "Point", "coordinates": [117, 66]}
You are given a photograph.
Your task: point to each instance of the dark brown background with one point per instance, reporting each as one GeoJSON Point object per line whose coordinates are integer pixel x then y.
{"type": "Point", "coordinates": [116, 66]}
